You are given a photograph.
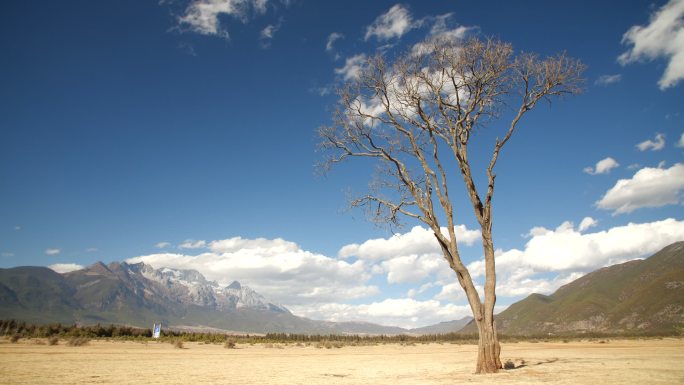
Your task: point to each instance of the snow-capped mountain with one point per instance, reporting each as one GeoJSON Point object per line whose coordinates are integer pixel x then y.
{"type": "Point", "coordinates": [139, 295]}
{"type": "Point", "coordinates": [191, 287]}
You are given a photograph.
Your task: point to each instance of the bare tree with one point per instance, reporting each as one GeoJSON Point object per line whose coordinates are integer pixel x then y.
{"type": "Point", "coordinates": [416, 118]}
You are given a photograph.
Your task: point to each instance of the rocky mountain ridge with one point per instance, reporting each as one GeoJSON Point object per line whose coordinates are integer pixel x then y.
{"type": "Point", "coordinates": [139, 295]}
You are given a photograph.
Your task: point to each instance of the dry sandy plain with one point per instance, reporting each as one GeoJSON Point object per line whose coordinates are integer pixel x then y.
{"type": "Point", "coordinates": [105, 362]}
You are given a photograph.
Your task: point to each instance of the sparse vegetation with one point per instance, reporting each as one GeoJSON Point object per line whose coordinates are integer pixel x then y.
{"type": "Point", "coordinates": [509, 365]}
{"type": "Point", "coordinates": [53, 340]}
{"type": "Point", "coordinates": [15, 330]}
{"type": "Point", "coordinates": [230, 343]}
{"type": "Point", "coordinates": [178, 344]}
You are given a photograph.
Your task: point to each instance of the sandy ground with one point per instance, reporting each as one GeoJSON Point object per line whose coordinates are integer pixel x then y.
{"type": "Point", "coordinates": [106, 362]}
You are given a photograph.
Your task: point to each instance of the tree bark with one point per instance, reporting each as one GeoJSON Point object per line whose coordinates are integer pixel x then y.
{"type": "Point", "coordinates": [488, 350]}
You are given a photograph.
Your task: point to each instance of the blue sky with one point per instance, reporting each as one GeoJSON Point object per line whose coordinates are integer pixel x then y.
{"type": "Point", "coordinates": [183, 133]}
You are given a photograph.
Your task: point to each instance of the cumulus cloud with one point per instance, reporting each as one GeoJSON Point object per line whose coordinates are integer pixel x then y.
{"type": "Point", "coordinates": [352, 67]}
{"type": "Point", "coordinates": [605, 80]}
{"type": "Point", "coordinates": [413, 268]}
{"type": "Point", "coordinates": [680, 144]}
{"type": "Point", "coordinates": [649, 187]}
{"type": "Point", "coordinates": [417, 241]}
{"type": "Point", "coordinates": [162, 245]}
{"type": "Point", "coordinates": [65, 267]}
{"type": "Point", "coordinates": [654, 145]}
{"type": "Point", "coordinates": [392, 24]}
{"type": "Point", "coordinates": [402, 312]}
{"type": "Point", "coordinates": [663, 37]}
{"type": "Point", "coordinates": [52, 251]}
{"type": "Point", "coordinates": [552, 258]}
{"type": "Point", "coordinates": [202, 16]}
{"type": "Point", "coordinates": [603, 166]}
{"type": "Point", "coordinates": [276, 268]}
{"type": "Point", "coordinates": [332, 38]}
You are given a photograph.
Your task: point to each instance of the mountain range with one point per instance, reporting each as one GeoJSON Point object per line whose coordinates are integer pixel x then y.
{"type": "Point", "coordinates": [139, 295]}
{"type": "Point", "coordinates": [635, 297]}
{"type": "Point", "coordinates": [639, 296]}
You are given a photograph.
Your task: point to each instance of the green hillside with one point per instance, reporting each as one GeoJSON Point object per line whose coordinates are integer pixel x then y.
{"type": "Point", "coordinates": [640, 296]}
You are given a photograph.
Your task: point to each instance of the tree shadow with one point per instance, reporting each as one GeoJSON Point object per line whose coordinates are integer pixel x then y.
{"type": "Point", "coordinates": [520, 363]}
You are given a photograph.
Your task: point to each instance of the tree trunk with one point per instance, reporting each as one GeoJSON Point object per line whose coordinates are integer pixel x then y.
{"type": "Point", "coordinates": [489, 350]}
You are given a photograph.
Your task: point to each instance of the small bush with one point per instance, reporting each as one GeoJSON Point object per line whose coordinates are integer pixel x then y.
{"type": "Point", "coordinates": [178, 344]}
{"type": "Point", "coordinates": [509, 365]}
{"type": "Point", "coordinates": [78, 341]}
{"type": "Point", "coordinates": [230, 344]}
{"type": "Point", "coordinates": [15, 338]}
{"type": "Point", "coordinates": [54, 340]}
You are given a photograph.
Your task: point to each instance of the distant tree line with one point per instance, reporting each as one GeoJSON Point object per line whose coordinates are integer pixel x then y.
{"type": "Point", "coordinates": [27, 330]}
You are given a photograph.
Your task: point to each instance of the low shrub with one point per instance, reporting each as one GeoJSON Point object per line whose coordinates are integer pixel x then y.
{"type": "Point", "coordinates": [15, 338]}
{"type": "Point", "coordinates": [230, 344]}
{"type": "Point", "coordinates": [54, 340]}
{"type": "Point", "coordinates": [509, 365]}
{"type": "Point", "coordinates": [178, 344]}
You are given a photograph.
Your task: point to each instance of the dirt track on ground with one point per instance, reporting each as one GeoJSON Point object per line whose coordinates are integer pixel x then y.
{"type": "Point", "coordinates": [106, 362]}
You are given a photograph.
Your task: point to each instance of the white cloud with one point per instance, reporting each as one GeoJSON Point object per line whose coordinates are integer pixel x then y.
{"type": "Point", "coordinates": [424, 287]}
{"type": "Point", "coordinates": [191, 244]}
{"type": "Point", "coordinates": [587, 222]}
{"type": "Point", "coordinates": [649, 187]}
{"type": "Point", "coordinates": [6, 254]}
{"type": "Point", "coordinates": [276, 268]}
{"type": "Point", "coordinates": [162, 245]}
{"type": "Point", "coordinates": [268, 33]}
{"type": "Point", "coordinates": [663, 37]}
{"type": "Point", "coordinates": [332, 38]}
{"type": "Point", "coordinates": [653, 145]}
{"type": "Point", "coordinates": [91, 250]}
{"type": "Point", "coordinates": [555, 257]}
{"type": "Point", "coordinates": [393, 23]}
{"type": "Point", "coordinates": [603, 166]}
{"type": "Point", "coordinates": [680, 144]}
{"type": "Point", "coordinates": [605, 80]}
{"type": "Point", "coordinates": [202, 16]}
{"type": "Point", "coordinates": [441, 31]}
{"type": "Point", "coordinates": [416, 242]}
{"type": "Point", "coordinates": [413, 268]}
{"type": "Point", "coordinates": [260, 245]}
{"type": "Point", "coordinates": [52, 251]}
{"type": "Point", "coordinates": [402, 312]}
{"type": "Point", "coordinates": [352, 67]}
{"type": "Point", "coordinates": [65, 267]}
